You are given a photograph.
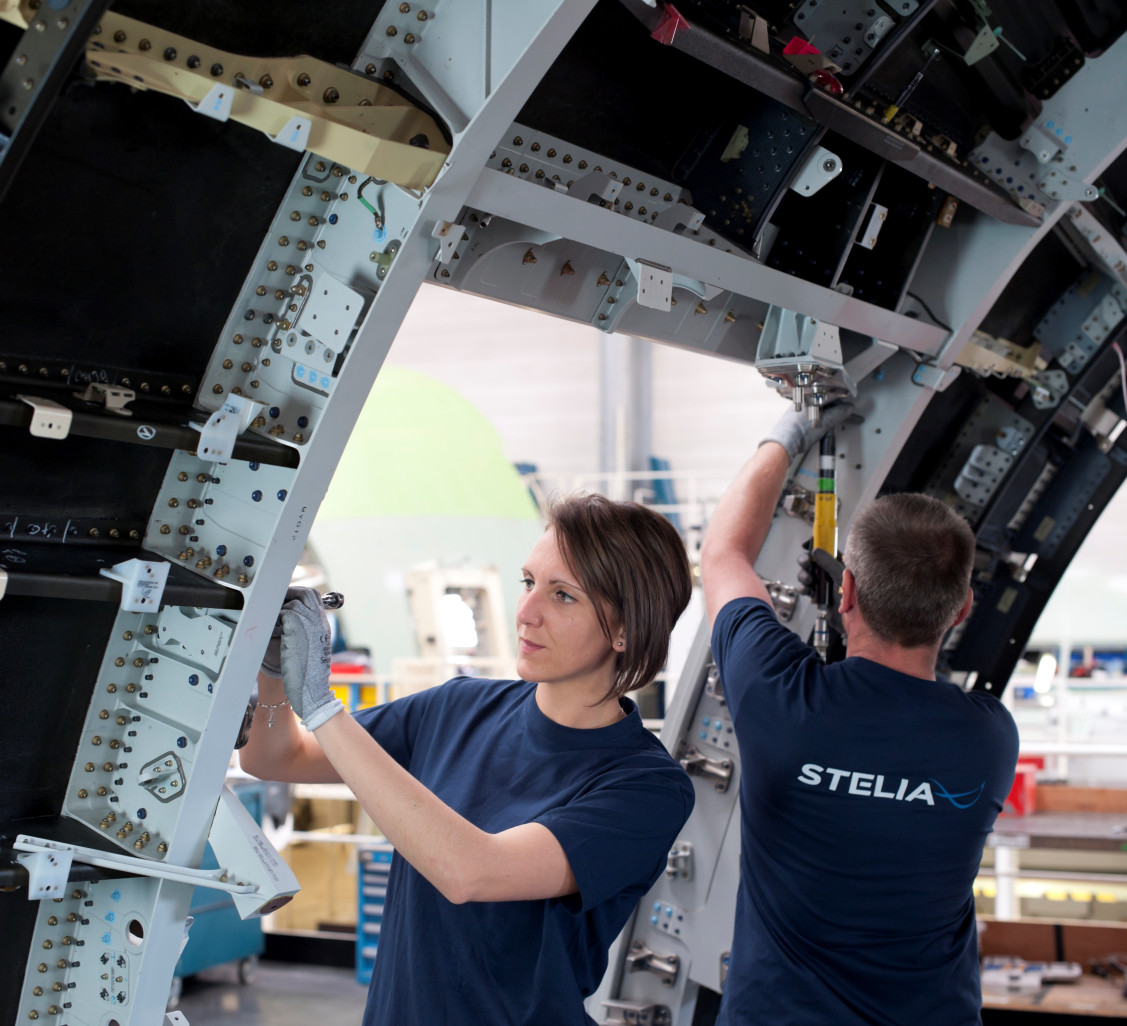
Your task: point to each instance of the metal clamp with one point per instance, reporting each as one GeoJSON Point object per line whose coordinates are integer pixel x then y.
{"type": "Point", "coordinates": [713, 686]}
{"type": "Point", "coordinates": [642, 958]}
{"type": "Point", "coordinates": [719, 770]}
{"type": "Point", "coordinates": [679, 862]}
{"type": "Point", "coordinates": [634, 1013]}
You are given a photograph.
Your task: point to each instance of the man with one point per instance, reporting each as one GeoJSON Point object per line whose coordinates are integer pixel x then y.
{"type": "Point", "coordinates": [868, 787]}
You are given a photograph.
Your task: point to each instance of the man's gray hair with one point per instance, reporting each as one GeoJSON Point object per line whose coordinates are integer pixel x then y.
{"type": "Point", "coordinates": [911, 557]}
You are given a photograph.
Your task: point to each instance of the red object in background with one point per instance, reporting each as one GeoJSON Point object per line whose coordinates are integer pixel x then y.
{"type": "Point", "coordinates": [671, 21]}
{"type": "Point", "coordinates": [799, 45]}
{"type": "Point", "coordinates": [1021, 800]}
{"type": "Point", "coordinates": [827, 81]}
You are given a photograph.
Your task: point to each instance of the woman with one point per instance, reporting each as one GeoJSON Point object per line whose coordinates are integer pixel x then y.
{"type": "Point", "coordinates": [530, 816]}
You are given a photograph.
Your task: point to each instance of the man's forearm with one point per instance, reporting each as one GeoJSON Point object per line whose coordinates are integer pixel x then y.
{"type": "Point", "coordinates": [742, 518]}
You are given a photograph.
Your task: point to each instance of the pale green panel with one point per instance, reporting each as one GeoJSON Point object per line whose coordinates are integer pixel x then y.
{"type": "Point", "coordinates": [366, 559]}
{"type": "Point", "coordinates": [420, 449]}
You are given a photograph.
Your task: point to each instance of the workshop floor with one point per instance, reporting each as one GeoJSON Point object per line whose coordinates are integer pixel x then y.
{"type": "Point", "coordinates": [281, 994]}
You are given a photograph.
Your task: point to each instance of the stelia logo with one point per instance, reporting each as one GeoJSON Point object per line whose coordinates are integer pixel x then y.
{"type": "Point", "coordinates": [872, 785]}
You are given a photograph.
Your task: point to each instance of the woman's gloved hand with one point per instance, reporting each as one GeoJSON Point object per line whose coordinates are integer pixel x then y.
{"type": "Point", "coordinates": [305, 657]}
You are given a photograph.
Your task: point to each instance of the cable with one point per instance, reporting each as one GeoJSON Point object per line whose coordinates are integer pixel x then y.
{"type": "Point", "coordinates": [927, 310]}
{"type": "Point", "coordinates": [1122, 372]}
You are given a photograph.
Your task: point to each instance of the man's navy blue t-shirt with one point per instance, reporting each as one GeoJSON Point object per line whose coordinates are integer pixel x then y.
{"type": "Point", "coordinates": [613, 797]}
{"type": "Point", "coordinates": [866, 796]}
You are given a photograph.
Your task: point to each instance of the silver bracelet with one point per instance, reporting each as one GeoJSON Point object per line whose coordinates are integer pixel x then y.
{"type": "Point", "coordinates": [271, 708]}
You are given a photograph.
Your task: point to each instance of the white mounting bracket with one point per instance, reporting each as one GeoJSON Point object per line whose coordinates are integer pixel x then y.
{"type": "Point", "coordinates": [176, 1018]}
{"type": "Point", "coordinates": [142, 583]}
{"type": "Point", "coordinates": [112, 397]}
{"type": "Point", "coordinates": [294, 134]}
{"type": "Point", "coordinates": [48, 418]}
{"type": "Point", "coordinates": [596, 187]}
{"type": "Point", "coordinates": [679, 215]}
{"type": "Point", "coordinates": [821, 168]}
{"type": "Point", "coordinates": [1045, 139]}
{"type": "Point", "coordinates": [217, 436]}
{"type": "Point", "coordinates": [655, 284]}
{"type": "Point", "coordinates": [449, 235]}
{"type": "Point", "coordinates": [239, 844]}
{"type": "Point", "coordinates": [216, 104]}
{"type": "Point", "coordinates": [48, 872]}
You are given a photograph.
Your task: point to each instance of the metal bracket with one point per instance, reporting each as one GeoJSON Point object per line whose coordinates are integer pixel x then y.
{"type": "Point", "coordinates": [449, 235]}
{"type": "Point", "coordinates": [679, 216]}
{"type": "Point", "coordinates": [48, 872]}
{"type": "Point", "coordinates": [112, 397]}
{"type": "Point", "coordinates": [216, 103]}
{"type": "Point", "coordinates": [1056, 186]}
{"type": "Point", "coordinates": [819, 169]}
{"type": "Point", "coordinates": [696, 762]}
{"type": "Point", "coordinates": [48, 418]}
{"type": "Point", "coordinates": [294, 134]}
{"type": "Point", "coordinates": [655, 284]}
{"type": "Point", "coordinates": [679, 862]}
{"type": "Point", "coordinates": [784, 597]}
{"type": "Point", "coordinates": [596, 187]}
{"type": "Point", "coordinates": [642, 958]}
{"type": "Point", "coordinates": [1049, 387]}
{"type": "Point", "coordinates": [713, 687]}
{"type": "Point", "coordinates": [981, 474]}
{"type": "Point", "coordinates": [868, 238]}
{"type": "Point", "coordinates": [142, 583]}
{"type": "Point", "coordinates": [928, 375]}
{"type": "Point", "coordinates": [217, 436]}
{"type": "Point", "coordinates": [634, 1013]}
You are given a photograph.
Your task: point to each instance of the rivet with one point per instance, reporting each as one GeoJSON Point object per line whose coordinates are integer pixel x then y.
{"type": "Point", "coordinates": [392, 30]}
{"type": "Point", "coordinates": [330, 95]}
{"type": "Point", "coordinates": [303, 79]}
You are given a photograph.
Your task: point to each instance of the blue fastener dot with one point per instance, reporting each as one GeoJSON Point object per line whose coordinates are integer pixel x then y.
{"type": "Point", "coordinates": [657, 906]}
{"type": "Point", "coordinates": [116, 895]}
{"type": "Point", "coordinates": [210, 689]}
{"type": "Point", "coordinates": [878, 374]}
{"type": "Point", "coordinates": [106, 938]}
{"type": "Point", "coordinates": [669, 913]}
{"type": "Point", "coordinates": [299, 371]}
{"type": "Point", "coordinates": [256, 495]}
{"type": "Point", "coordinates": [181, 742]}
{"type": "Point", "coordinates": [706, 721]}
{"type": "Point", "coordinates": [302, 422]}
{"type": "Point", "coordinates": [111, 916]}
{"type": "Point", "coordinates": [253, 466]}
{"type": "Point", "coordinates": [275, 412]}
{"type": "Point", "coordinates": [194, 679]}
{"type": "Point", "coordinates": [324, 382]}
{"type": "Point", "coordinates": [653, 919]}
{"type": "Point", "coordinates": [221, 550]}
{"type": "Point", "coordinates": [332, 219]}
{"type": "Point", "coordinates": [142, 813]}
{"type": "Point", "coordinates": [1067, 139]}
{"type": "Point", "coordinates": [248, 560]}
{"type": "Point", "coordinates": [281, 493]}
{"type": "Point", "coordinates": [703, 735]}
{"type": "Point", "coordinates": [1049, 124]}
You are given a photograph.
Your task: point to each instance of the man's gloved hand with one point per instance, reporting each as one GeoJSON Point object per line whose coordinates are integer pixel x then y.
{"type": "Point", "coordinates": [305, 658]}
{"type": "Point", "coordinates": [794, 432]}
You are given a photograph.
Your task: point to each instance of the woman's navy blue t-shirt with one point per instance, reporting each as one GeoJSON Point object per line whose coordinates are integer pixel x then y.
{"type": "Point", "coordinates": [613, 797]}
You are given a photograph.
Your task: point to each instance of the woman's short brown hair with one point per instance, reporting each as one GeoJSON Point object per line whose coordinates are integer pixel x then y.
{"type": "Point", "coordinates": [632, 563]}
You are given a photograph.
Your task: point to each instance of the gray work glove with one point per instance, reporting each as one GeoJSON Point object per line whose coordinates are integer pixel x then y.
{"type": "Point", "coordinates": [305, 658]}
{"type": "Point", "coordinates": [794, 432]}
{"type": "Point", "coordinates": [272, 661]}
